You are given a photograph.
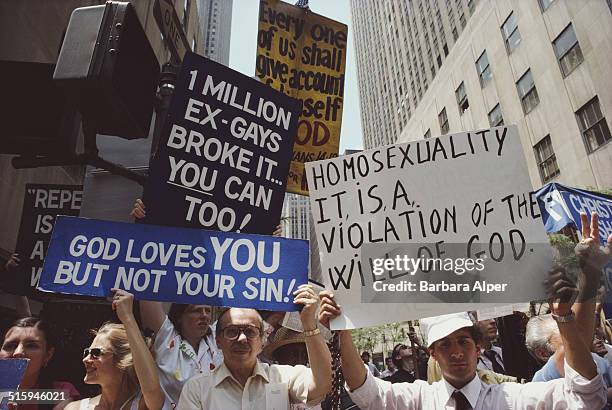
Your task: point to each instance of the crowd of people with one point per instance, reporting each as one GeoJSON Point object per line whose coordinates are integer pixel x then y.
{"type": "Point", "coordinates": [246, 359]}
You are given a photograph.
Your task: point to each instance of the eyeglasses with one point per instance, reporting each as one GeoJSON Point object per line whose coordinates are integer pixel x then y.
{"type": "Point", "coordinates": [233, 332]}
{"type": "Point", "coordinates": [95, 352]}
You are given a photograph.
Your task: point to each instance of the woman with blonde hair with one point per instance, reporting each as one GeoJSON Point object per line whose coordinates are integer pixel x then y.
{"type": "Point", "coordinates": [120, 361]}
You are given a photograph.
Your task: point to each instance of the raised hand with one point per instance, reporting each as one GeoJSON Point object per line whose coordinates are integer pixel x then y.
{"type": "Point", "coordinates": [138, 212]}
{"type": "Point", "coordinates": [278, 231]}
{"type": "Point", "coordinates": [592, 258]}
{"type": "Point", "coordinates": [122, 305]}
{"type": "Point", "coordinates": [561, 291]}
{"type": "Point", "coordinates": [13, 262]}
{"type": "Point", "coordinates": [306, 296]}
{"type": "Point", "coordinates": [329, 308]}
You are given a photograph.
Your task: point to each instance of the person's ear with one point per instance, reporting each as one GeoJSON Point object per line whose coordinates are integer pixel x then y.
{"type": "Point", "coordinates": [432, 352]}
{"type": "Point", "coordinates": [542, 354]}
{"type": "Point", "coordinates": [49, 355]}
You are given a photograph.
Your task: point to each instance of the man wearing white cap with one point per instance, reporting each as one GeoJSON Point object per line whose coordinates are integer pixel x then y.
{"type": "Point", "coordinates": [455, 343]}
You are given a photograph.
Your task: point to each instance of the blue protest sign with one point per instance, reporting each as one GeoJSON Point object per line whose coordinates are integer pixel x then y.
{"type": "Point", "coordinates": [89, 257]}
{"type": "Point", "coordinates": [223, 159]}
{"type": "Point", "coordinates": [561, 206]}
{"type": "Point", "coordinates": [11, 373]}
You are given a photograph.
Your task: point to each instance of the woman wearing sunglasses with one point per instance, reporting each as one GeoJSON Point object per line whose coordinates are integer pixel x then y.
{"type": "Point", "coordinates": [32, 338]}
{"type": "Point", "coordinates": [119, 360]}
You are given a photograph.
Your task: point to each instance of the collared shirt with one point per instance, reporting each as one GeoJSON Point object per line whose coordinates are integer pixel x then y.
{"type": "Point", "coordinates": [219, 390]}
{"type": "Point", "coordinates": [608, 355]}
{"type": "Point", "coordinates": [549, 370]}
{"type": "Point", "coordinates": [178, 362]}
{"type": "Point", "coordinates": [572, 392]}
{"type": "Point", "coordinates": [401, 376]}
{"type": "Point", "coordinates": [387, 373]}
{"type": "Point", "coordinates": [485, 363]}
{"type": "Point", "coordinates": [373, 369]}
{"type": "Point", "coordinates": [471, 391]}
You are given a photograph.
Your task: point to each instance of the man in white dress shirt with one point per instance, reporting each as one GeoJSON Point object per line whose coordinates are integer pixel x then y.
{"type": "Point", "coordinates": [243, 382]}
{"type": "Point", "coordinates": [454, 342]}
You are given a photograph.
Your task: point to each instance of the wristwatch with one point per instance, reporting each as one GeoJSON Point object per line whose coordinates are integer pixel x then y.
{"type": "Point", "coordinates": [565, 318]}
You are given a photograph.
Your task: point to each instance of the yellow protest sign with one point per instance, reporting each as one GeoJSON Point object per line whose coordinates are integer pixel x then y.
{"type": "Point", "coordinates": [303, 54]}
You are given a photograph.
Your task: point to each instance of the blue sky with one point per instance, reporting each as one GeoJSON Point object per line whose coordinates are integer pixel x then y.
{"type": "Point", "coordinates": [243, 48]}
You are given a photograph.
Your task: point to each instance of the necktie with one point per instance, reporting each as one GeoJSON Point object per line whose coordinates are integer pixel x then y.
{"type": "Point", "coordinates": [492, 356]}
{"type": "Point", "coordinates": [461, 402]}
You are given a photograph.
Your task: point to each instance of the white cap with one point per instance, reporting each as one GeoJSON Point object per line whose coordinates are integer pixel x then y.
{"type": "Point", "coordinates": [438, 327]}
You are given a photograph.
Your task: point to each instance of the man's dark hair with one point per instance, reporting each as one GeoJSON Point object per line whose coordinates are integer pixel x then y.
{"type": "Point", "coordinates": [396, 351]}
{"type": "Point", "coordinates": [45, 379]}
{"type": "Point", "coordinates": [474, 331]}
{"type": "Point", "coordinates": [174, 315]}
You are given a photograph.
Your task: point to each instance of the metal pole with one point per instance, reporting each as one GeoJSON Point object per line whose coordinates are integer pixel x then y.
{"type": "Point", "coordinates": [167, 81]}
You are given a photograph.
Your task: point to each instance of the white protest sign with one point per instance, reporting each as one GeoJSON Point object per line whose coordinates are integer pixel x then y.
{"type": "Point", "coordinates": [493, 312]}
{"type": "Point", "coordinates": [469, 192]}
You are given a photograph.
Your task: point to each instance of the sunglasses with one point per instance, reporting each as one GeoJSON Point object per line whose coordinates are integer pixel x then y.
{"type": "Point", "coordinates": [233, 332]}
{"type": "Point", "coordinates": [95, 352]}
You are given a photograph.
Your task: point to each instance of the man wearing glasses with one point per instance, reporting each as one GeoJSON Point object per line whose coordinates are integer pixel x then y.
{"type": "Point", "coordinates": [243, 382]}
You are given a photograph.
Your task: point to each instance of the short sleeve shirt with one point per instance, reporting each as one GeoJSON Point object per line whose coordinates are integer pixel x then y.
{"type": "Point", "coordinates": [178, 362]}
{"type": "Point", "coordinates": [219, 390]}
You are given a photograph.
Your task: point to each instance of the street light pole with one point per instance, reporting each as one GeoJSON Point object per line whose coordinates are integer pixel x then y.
{"type": "Point", "coordinates": [167, 81]}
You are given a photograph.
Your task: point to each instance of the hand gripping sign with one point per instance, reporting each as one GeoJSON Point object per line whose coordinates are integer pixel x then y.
{"type": "Point", "coordinates": [89, 257]}
{"type": "Point", "coordinates": [223, 159]}
{"type": "Point", "coordinates": [429, 227]}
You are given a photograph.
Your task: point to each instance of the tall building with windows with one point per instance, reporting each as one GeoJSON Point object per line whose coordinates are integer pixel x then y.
{"type": "Point", "coordinates": [297, 218]}
{"type": "Point", "coordinates": [216, 22]}
{"type": "Point", "coordinates": [296, 214]}
{"type": "Point", "coordinates": [445, 66]}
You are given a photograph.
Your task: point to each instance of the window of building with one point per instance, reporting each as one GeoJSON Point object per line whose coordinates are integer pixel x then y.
{"type": "Point", "coordinates": [462, 100]}
{"type": "Point", "coordinates": [495, 116]}
{"type": "Point", "coordinates": [445, 48]}
{"type": "Point", "coordinates": [511, 34]}
{"type": "Point", "coordinates": [568, 51]}
{"type": "Point", "coordinates": [462, 19]}
{"type": "Point", "coordinates": [547, 161]}
{"type": "Point", "coordinates": [527, 92]}
{"type": "Point", "coordinates": [593, 125]}
{"type": "Point", "coordinates": [455, 35]}
{"type": "Point", "coordinates": [427, 134]}
{"type": "Point", "coordinates": [544, 4]}
{"type": "Point", "coordinates": [439, 60]}
{"type": "Point", "coordinates": [484, 70]}
{"type": "Point", "coordinates": [443, 120]}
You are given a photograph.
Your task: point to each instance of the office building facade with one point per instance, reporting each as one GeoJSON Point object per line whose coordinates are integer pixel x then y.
{"type": "Point", "coordinates": [445, 66]}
